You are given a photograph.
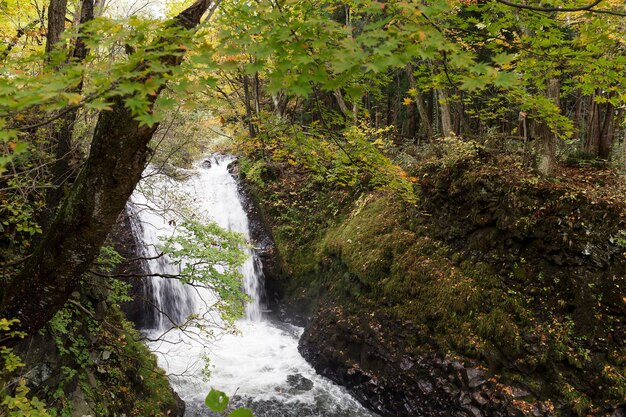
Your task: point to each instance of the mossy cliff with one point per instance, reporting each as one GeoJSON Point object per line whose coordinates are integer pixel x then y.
{"type": "Point", "coordinates": [498, 294]}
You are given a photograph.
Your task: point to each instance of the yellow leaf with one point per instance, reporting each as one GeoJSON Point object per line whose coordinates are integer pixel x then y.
{"type": "Point", "coordinates": [73, 99]}
{"type": "Point", "coordinates": [407, 101]}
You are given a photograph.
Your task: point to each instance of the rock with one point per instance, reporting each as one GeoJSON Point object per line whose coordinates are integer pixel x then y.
{"type": "Point", "coordinates": [473, 411]}
{"type": "Point", "coordinates": [519, 392]}
{"type": "Point", "coordinates": [180, 406]}
{"type": "Point", "coordinates": [619, 412]}
{"type": "Point", "coordinates": [479, 399]}
{"type": "Point", "coordinates": [406, 364]}
{"type": "Point", "coordinates": [38, 375]}
{"type": "Point", "coordinates": [299, 383]}
{"type": "Point", "coordinates": [206, 164]}
{"type": "Point", "coordinates": [473, 377]}
{"type": "Point", "coordinates": [425, 386]}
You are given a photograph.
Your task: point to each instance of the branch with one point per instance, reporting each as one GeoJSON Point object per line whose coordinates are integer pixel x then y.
{"type": "Point", "coordinates": [588, 8]}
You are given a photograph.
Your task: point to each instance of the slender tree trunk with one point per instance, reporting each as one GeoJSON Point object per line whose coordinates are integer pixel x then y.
{"type": "Point", "coordinates": [547, 143]}
{"type": "Point", "coordinates": [446, 116]}
{"type": "Point", "coordinates": [280, 100]}
{"type": "Point", "coordinates": [257, 95]}
{"type": "Point", "coordinates": [18, 35]}
{"type": "Point", "coordinates": [577, 116]}
{"type": "Point", "coordinates": [342, 104]}
{"type": "Point", "coordinates": [117, 158]}
{"type": "Point", "coordinates": [246, 98]}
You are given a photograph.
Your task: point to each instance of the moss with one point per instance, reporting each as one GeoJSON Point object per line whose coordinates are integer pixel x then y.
{"type": "Point", "coordinates": [490, 260]}
{"type": "Point", "coordinates": [130, 381]}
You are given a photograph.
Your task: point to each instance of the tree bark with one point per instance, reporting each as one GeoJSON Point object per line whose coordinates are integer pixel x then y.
{"type": "Point", "coordinates": [592, 136]}
{"type": "Point", "coordinates": [56, 24]}
{"type": "Point", "coordinates": [446, 116]}
{"type": "Point", "coordinates": [420, 104]}
{"type": "Point", "coordinates": [547, 143]}
{"type": "Point", "coordinates": [64, 133]}
{"type": "Point", "coordinates": [117, 158]}
{"type": "Point", "coordinates": [246, 97]}
{"type": "Point", "coordinates": [342, 104]}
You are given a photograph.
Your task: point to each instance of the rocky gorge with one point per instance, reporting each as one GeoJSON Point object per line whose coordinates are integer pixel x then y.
{"type": "Point", "coordinates": [498, 294]}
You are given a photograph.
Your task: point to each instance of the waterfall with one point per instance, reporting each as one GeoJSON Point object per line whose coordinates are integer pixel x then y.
{"type": "Point", "coordinates": [260, 362]}
{"type": "Point", "coordinates": [212, 193]}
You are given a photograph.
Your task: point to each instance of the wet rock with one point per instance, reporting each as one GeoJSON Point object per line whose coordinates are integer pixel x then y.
{"type": "Point", "coordinates": [299, 383]}
{"type": "Point", "coordinates": [206, 164]}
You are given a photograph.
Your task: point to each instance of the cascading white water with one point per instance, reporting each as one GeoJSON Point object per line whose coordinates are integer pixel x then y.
{"type": "Point", "coordinates": [261, 362]}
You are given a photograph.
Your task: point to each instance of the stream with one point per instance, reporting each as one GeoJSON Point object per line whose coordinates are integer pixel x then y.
{"type": "Point", "coordinates": [259, 367]}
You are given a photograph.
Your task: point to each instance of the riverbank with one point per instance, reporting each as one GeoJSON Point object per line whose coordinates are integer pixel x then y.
{"type": "Point", "coordinates": [498, 293]}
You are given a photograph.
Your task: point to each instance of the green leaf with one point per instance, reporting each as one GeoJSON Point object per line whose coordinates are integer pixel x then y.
{"type": "Point", "coordinates": [241, 412]}
{"type": "Point", "coordinates": [216, 400]}
{"type": "Point", "coordinates": [20, 147]}
{"type": "Point", "coordinates": [506, 79]}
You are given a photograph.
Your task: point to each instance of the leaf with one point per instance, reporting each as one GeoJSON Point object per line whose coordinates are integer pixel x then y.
{"type": "Point", "coordinates": [506, 79]}
{"type": "Point", "coordinates": [216, 400]}
{"type": "Point", "coordinates": [99, 105]}
{"type": "Point", "coordinates": [241, 412]}
{"type": "Point", "coordinates": [20, 147]}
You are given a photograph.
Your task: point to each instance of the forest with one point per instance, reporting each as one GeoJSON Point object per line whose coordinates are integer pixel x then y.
{"type": "Point", "coordinates": [419, 206]}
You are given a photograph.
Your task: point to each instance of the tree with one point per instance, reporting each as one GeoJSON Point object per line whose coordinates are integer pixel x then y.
{"type": "Point", "coordinates": [118, 156]}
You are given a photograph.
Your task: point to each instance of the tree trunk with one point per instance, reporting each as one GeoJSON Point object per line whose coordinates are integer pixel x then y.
{"type": "Point", "coordinates": [18, 35]}
{"type": "Point", "coordinates": [592, 137]}
{"type": "Point", "coordinates": [56, 24]}
{"type": "Point", "coordinates": [342, 104]}
{"type": "Point", "coordinates": [280, 100]}
{"type": "Point", "coordinates": [246, 98]}
{"type": "Point", "coordinates": [117, 158]}
{"type": "Point", "coordinates": [420, 104]}
{"type": "Point", "coordinates": [64, 133]}
{"type": "Point", "coordinates": [547, 143]}
{"type": "Point", "coordinates": [608, 131]}
{"type": "Point", "coordinates": [446, 116]}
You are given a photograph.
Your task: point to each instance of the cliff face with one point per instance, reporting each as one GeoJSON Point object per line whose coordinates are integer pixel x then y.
{"type": "Point", "coordinates": [498, 294]}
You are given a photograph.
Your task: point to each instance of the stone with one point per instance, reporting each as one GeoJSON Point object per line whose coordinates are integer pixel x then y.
{"type": "Point", "coordinates": [299, 383]}
{"type": "Point", "coordinates": [519, 392]}
{"type": "Point", "coordinates": [39, 374]}
{"type": "Point", "coordinates": [473, 377]}
{"type": "Point", "coordinates": [473, 411]}
{"type": "Point", "coordinates": [425, 386]}
{"type": "Point", "coordinates": [479, 399]}
{"type": "Point", "coordinates": [619, 412]}
{"type": "Point", "coordinates": [406, 364]}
